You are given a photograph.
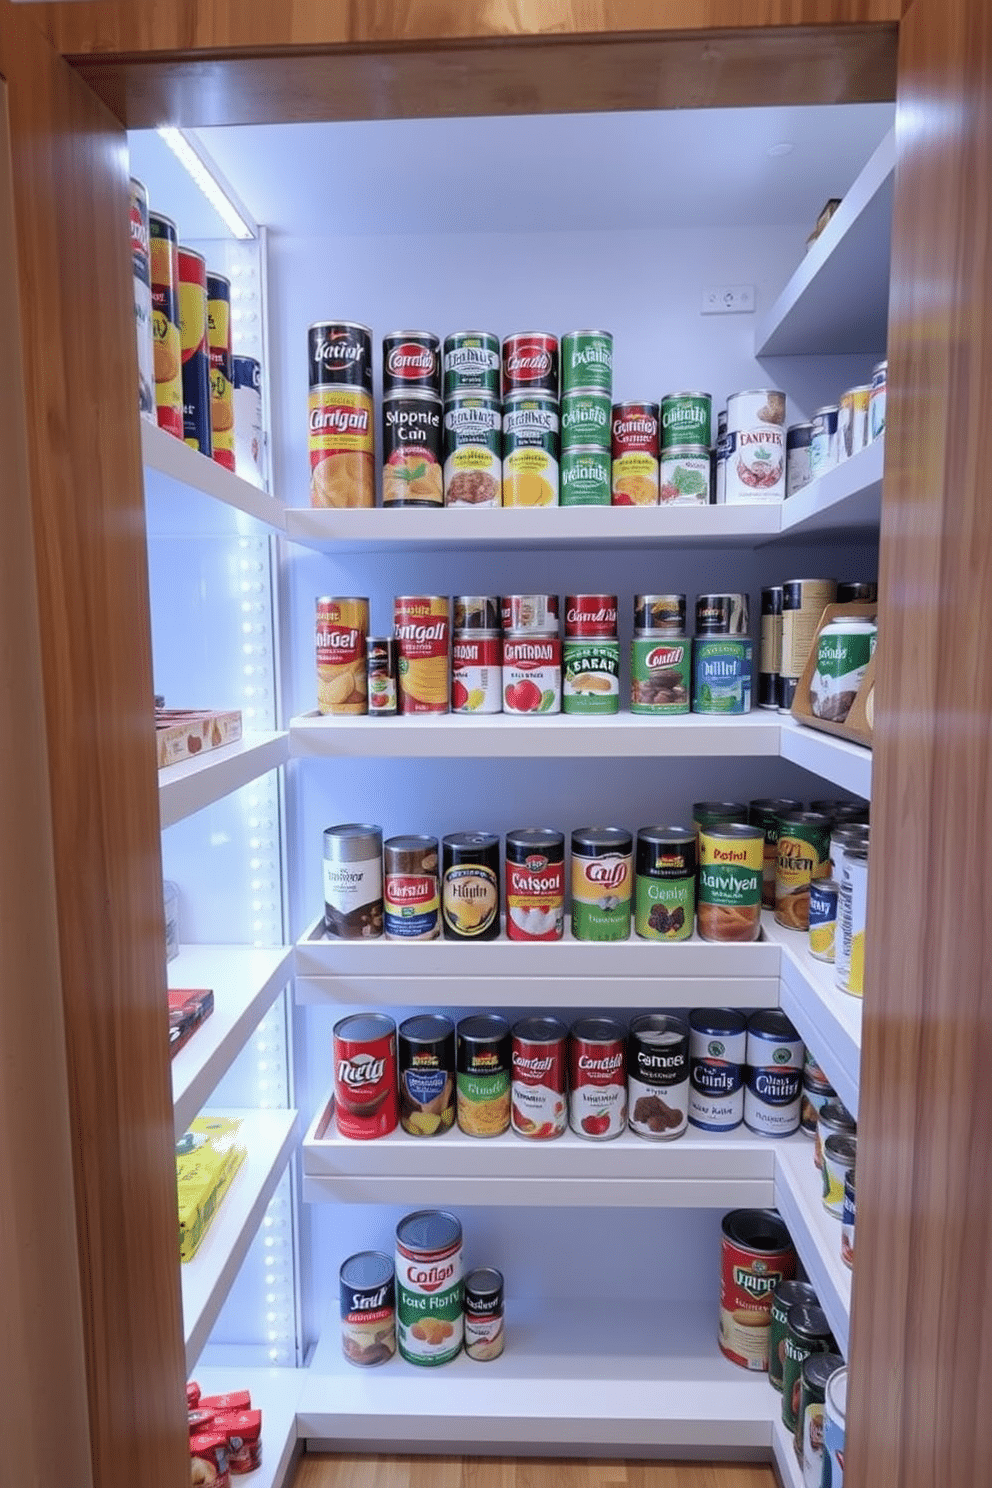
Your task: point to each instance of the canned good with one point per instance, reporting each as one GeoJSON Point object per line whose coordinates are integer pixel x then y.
{"type": "Point", "coordinates": [812, 1069]}
{"type": "Point", "coordinates": [539, 1083]}
{"type": "Point", "coordinates": [200, 1421]}
{"type": "Point", "coordinates": [755, 447]}
{"type": "Point", "coordinates": [635, 453]}
{"type": "Point", "coordinates": [535, 884]}
{"type": "Point", "coordinates": [411, 450]}
{"type": "Point", "coordinates": [684, 475]}
{"type": "Point", "coordinates": [807, 1332]}
{"type": "Point", "coordinates": [721, 456]}
{"type": "Point", "coordinates": [876, 400]}
{"type": "Point", "coordinates": [756, 1256]}
{"type": "Point", "coordinates": [786, 1296]}
{"type": "Point", "coordinates": [477, 672]}
{"type": "Point", "coordinates": [839, 1156]}
{"type": "Point", "coordinates": [722, 667]}
{"type": "Point", "coordinates": [470, 886]}
{"type": "Point", "coordinates": [686, 419]}
{"type": "Point", "coordinates": [717, 1047]}
{"type": "Point", "coordinates": [411, 359]}
{"type": "Point", "coordinates": [844, 834]}
{"type": "Point", "coordinates": [803, 854]}
{"type": "Point", "coordinates": [342, 677]}
{"type": "Point", "coordinates": [852, 911]}
{"type": "Point", "coordinates": [723, 615]}
{"type": "Point", "coordinates": [730, 873]}
{"type": "Point", "coordinates": [602, 880]}
{"type": "Point", "coordinates": [243, 1430]}
{"type": "Point", "coordinates": [421, 623]}
{"type": "Point", "coordinates": [531, 673]}
{"type": "Point", "coordinates": [167, 344]}
{"type": "Point", "coordinates": [249, 441]}
{"type": "Point", "coordinates": [848, 1215]}
{"type": "Point", "coordinates": [822, 918]}
{"type": "Point", "coordinates": [195, 350]}
{"type": "Point", "coordinates": [762, 407]}
{"type": "Point", "coordinates": [712, 813]}
{"type": "Point", "coordinates": [798, 458]}
{"type": "Point", "coordinates": [533, 613]}
{"type": "Point", "coordinates": [484, 1331]}
{"type": "Point", "coordinates": [843, 650]}
{"type": "Point", "coordinates": [816, 1371]}
{"type": "Point", "coordinates": [471, 363]}
{"type": "Point", "coordinates": [816, 1094]}
{"type": "Point", "coordinates": [659, 615]}
{"type": "Point", "coordinates": [342, 470]}
{"type": "Point", "coordinates": [411, 888]}
{"type": "Point", "coordinates": [587, 360]}
{"type": "Point", "coordinates": [658, 1075]}
{"type": "Point", "coordinates": [585, 476]}
{"type": "Point", "coordinates": [381, 673]}
{"type": "Point", "coordinates": [530, 363]}
{"type": "Point", "coordinates": [476, 612]}
{"type": "Point", "coordinates": [660, 675]}
{"type": "Point", "coordinates": [141, 272]}
{"type": "Point", "coordinates": [824, 450]}
{"type": "Point", "coordinates": [209, 1459]}
{"type": "Point", "coordinates": [665, 883]}
{"type": "Point", "coordinates": [773, 1083]}
{"type": "Point", "coordinates": [590, 676]}
{"type": "Point", "coordinates": [585, 419]}
{"type": "Point", "coordinates": [339, 353]}
{"type": "Point", "coordinates": [368, 1308]}
{"type": "Point", "coordinates": [852, 421]}
{"type": "Point", "coordinates": [426, 1046]}
{"type": "Point", "coordinates": [531, 448]}
{"type": "Point", "coordinates": [430, 1292]}
{"type": "Point", "coordinates": [353, 881]}
{"type": "Point", "coordinates": [833, 1120]}
{"type": "Point", "coordinates": [221, 369]}
{"type": "Point", "coordinates": [484, 1054]}
{"type": "Point", "coordinates": [766, 814]}
{"type": "Point", "coordinates": [803, 603]}
{"type": "Point", "coordinates": [597, 1105]}
{"type": "Point", "coordinates": [366, 1103]}
{"type": "Point", "coordinates": [834, 1411]}
{"type": "Point", "coordinates": [591, 615]}
{"type": "Point", "coordinates": [473, 450]}
{"type": "Point", "coordinates": [770, 662]}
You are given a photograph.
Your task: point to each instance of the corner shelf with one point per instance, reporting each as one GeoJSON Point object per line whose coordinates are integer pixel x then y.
{"type": "Point", "coordinates": [197, 782]}
{"type": "Point", "coordinates": [828, 1019]}
{"type": "Point", "coordinates": [816, 1233]}
{"type": "Point", "coordinates": [840, 761]}
{"type": "Point", "coordinates": [848, 496]}
{"type": "Point", "coordinates": [185, 466]}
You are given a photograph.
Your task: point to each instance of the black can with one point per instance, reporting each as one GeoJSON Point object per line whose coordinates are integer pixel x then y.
{"type": "Point", "coordinates": [665, 865]}
{"type": "Point", "coordinates": [339, 353]}
{"type": "Point", "coordinates": [380, 653]}
{"type": "Point", "coordinates": [412, 470]}
{"type": "Point", "coordinates": [411, 359]}
{"type": "Point", "coordinates": [426, 1047]}
{"type": "Point", "coordinates": [484, 1060]}
{"type": "Point", "coordinates": [787, 1295]}
{"type": "Point", "coordinates": [807, 1332]}
{"type": "Point", "coordinates": [484, 1334]}
{"type": "Point", "coordinates": [658, 1076]}
{"type": "Point", "coordinates": [808, 1442]}
{"type": "Point", "coordinates": [659, 614]}
{"type": "Point", "coordinates": [723, 614]}
{"type": "Point", "coordinates": [476, 612]}
{"type": "Point", "coordinates": [368, 1308]}
{"type": "Point", "coordinates": [853, 592]}
{"type": "Point", "coordinates": [846, 812]}
{"type": "Point", "coordinates": [470, 897]}
{"type": "Point", "coordinates": [770, 661]}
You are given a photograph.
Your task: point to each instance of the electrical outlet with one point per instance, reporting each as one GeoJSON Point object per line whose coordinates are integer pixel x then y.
{"type": "Point", "coordinates": [730, 299]}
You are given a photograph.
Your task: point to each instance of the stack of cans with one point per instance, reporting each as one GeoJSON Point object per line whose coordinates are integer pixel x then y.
{"type": "Point", "coordinates": [411, 419]}
{"type": "Point", "coordinates": [686, 435]}
{"type": "Point", "coordinates": [473, 420]}
{"type": "Point", "coordinates": [531, 419]}
{"type": "Point", "coordinates": [586, 417]}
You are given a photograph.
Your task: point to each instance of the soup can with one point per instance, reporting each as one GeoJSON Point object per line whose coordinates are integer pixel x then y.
{"type": "Point", "coordinates": [535, 884]}
{"type": "Point", "coordinates": [816, 1093]}
{"type": "Point", "coordinates": [660, 674]}
{"type": "Point", "coordinates": [368, 1308]}
{"type": "Point", "coordinates": [756, 1256]}
{"type": "Point", "coordinates": [834, 1412]}
{"type": "Point", "coordinates": [635, 451]}
{"type": "Point", "coordinates": [470, 886]}
{"type": "Point", "coordinates": [839, 1156]}
{"type": "Point", "coordinates": [381, 671]}
{"type": "Point", "coordinates": [530, 363]}
{"type": "Point", "coordinates": [843, 650]}
{"type": "Point", "coordinates": [597, 1079]}
{"type": "Point", "coordinates": [721, 680]}
{"type": "Point", "coordinates": [852, 910]}
{"type": "Point", "coordinates": [658, 1076]}
{"type": "Point", "coordinates": [534, 614]}
{"type": "Point", "coordinates": [430, 1292]}
{"type": "Point", "coordinates": [659, 615]}
{"type": "Point", "coordinates": [585, 476]}
{"type": "Point", "coordinates": [585, 420]}
{"type": "Point", "coordinates": [755, 447]}
{"type": "Point", "coordinates": [471, 363]}
{"type": "Point", "coordinates": [816, 1371]}
{"type": "Point", "coordinates": [822, 918]}
{"type": "Point", "coordinates": [591, 616]}
{"type": "Point", "coordinates": [477, 671]}
{"type": "Point", "coordinates": [141, 272]}
{"type": "Point", "coordinates": [422, 626]}
{"type": "Point", "coordinates": [833, 1120]}
{"type": "Point", "coordinates": [798, 458]}
{"type": "Point", "coordinates": [684, 475]}
{"type": "Point", "coordinates": [770, 657]}
{"type": "Point", "coordinates": [731, 856]}
{"type": "Point", "coordinates": [824, 449]}
{"type": "Point", "coordinates": [411, 888]}
{"type": "Point", "coordinates": [803, 603]}
{"type": "Point", "coordinates": [195, 350]}
{"type": "Point", "coordinates": [590, 679]}
{"type": "Point", "coordinates": [531, 673]}
{"type": "Point", "coordinates": [717, 1048]}
{"type": "Point", "coordinates": [485, 1336]}
{"type": "Point", "coordinates": [353, 881]}
{"type": "Point", "coordinates": [803, 854]}
{"type": "Point", "coordinates": [773, 1083]}
{"type": "Point", "coordinates": [366, 1103]}
{"type": "Point", "coordinates": [852, 421]}
{"type": "Point", "coordinates": [665, 883]}
{"type": "Point", "coordinates": [342, 676]}
{"type": "Point", "coordinates": [848, 1216]}
{"type": "Point", "coordinates": [723, 615]}
{"type": "Point", "coordinates": [686, 419]}
{"type": "Point", "coordinates": [539, 1083]}
{"type": "Point", "coordinates": [412, 472]}
{"type": "Point", "coordinates": [876, 400]}
{"type": "Point", "coordinates": [249, 441]}
{"type": "Point", "coordinates": [587, 361]}
{"type": "Point", "coordinates": [602, 882]}
{"type": "Point", "coordinates": [531, 449]}
{"type": "Point", "coordinates": [807, 1332]}
{"type": "Point", "coordinates": [342, 442]}
{"type": "Point", "coordinates": [426, 1050]}
{"type": "Point", "coordinates": [221, 369]}
{"type": "Point", "coordinates": [767, 814]}
{"type": "Point", "coordinates": [476, 612]}
{"type": "Point", "coordinates": [787, 1295]}
{"type": "Point", "coordinates": [484, 1058]}
{"type": "Point", "coordinates": [167, 347]}
{"type": "Point", "coordinates": [473, 450]}
{"type": "Point", "coordinates": [411, 359]}
{"type": "Point", "coordinates": [715, 813]}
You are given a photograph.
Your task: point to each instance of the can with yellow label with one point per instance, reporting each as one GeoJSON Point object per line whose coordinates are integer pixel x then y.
{"type": "Point", "coordinates": [803, 854]}
{"type": "Point", "coordinates": [531, 449]}
{"type": "Point", "coordinates": [423, 644]}
{"type": "Point", "coordinates": [470, 886]}
{"type": "Point", "coordinates": [221, 369]}
{"type": "Point", "coordinates": [167, 349]}
{"type": "Point", "coordinates": [195, 352]}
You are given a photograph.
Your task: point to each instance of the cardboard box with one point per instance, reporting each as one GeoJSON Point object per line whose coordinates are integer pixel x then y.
{"type": "Point", "coordinates": [183, 735]}
{"type": "Point", "coordinates": [188, 1007]}
{"type": "Point", "coordinates": [207, 1158]}
{"type": "Point", "coordinates": [858, 726]}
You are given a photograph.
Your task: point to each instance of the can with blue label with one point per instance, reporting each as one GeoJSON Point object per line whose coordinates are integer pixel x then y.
{"type": "Point", "coordinates": [773, 1084]}
{"type": "Point", "coordinates": [717, 1048]}
{"type": "Point", "coordinates": [834, 1415]}
{"type": "Point", "coordinates": [722, 668]}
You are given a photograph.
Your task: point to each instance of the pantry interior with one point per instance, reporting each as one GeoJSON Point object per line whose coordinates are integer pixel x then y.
{"type": "Point", "coordinates": [610, 1251]}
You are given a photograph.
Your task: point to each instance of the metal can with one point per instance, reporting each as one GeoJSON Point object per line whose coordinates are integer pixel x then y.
{"type": "Point", "coordinates": [585, 419]}
{"type": "Point", "coordinates": [803, 603]}
{"type": "Point", "coordinates": [658, 1076]}
{"type": "Point", "coordinates": [876, 401]}
{"type": "Point", "coordinates": [715, 813]}
{"type": "Point", "coordinates": [141, 272]}
{"type": "Point", "coordinates": [845, 833]}
{"type": "Point", "coordinates": [635, 453]}
{"type": "Point", "coordinates": [476, 612]}
{"type": "Point", "coordinates": [816, 1094]}
{"type": "Point", "coordinates": [368, 1308]}
{"type": "Point", "coordinates": [833, 1120]}
{"type": "Point", "coordinates": [839, 1156]}
{"type": "Point", "coordinates": [221, 369]}
{"type": "Point", "coordinates": [822, 918]}
{"type": "Point", "coordinates": [426, 1047]}
{"type": "Point", "coordinates": [684, 475]}
{"type": "Point", "coordinates": [770, 656]}
{"type": "Point", "coordinates": [757, 407]}
{"type": "Point", "coordinates": [852, 422]}
{"type": "Point", "coordinates": [411, 359]}
{"type": "Point", "coordinates": [473, 450]}
{"type": "Point", "coordinates": [249, 440]}
{"type": "Point", "coordinates": [659, 615]}
{"type": "Point", "coordinates": [590, 676]}
{"type": "Point", "coordinates": [411, 450]}
{"type": "Point", "coordinates": [381, 672]}
{"type": "Point", "coordinates": [422, 626]}
{"type": "Point", "coordinates": [766, 814]}
{"type": "Point", "coordinates": [532, 613]}
{"type": "Point", "coordinates": [665, 883]}
{"type": "Point", "coordinates": [530, 363]}
{"type": "Point", "coordinates": [843, 650]}
{"type": "Point", "coordinates": [786, 1296]}
{"type": "Point", "coordinates": [535, 884]}
{"type": "Point", "coordinates": [411, 888]}
{"type": "Point", "coordinates": [798, 461]}
{"type": "Point", "coordinates": [597, 1106]}
{"type": "Point", "coordinates": [807, 1332]}
{"type": "Point", "coordinates": [848, 1216]}
{"type": "Point", "coordinates": [591, 615]}
{"type": "Point", "coordinates": [476, 671]}
{"type": "Point", "coordinates": [195, 350]}
{"type": "Point", "coordinates": [484, 1075]}
{"type": "Point", "coordinates": [852, 911]}
{"type": "Point", "coordinates": [686, 419]}
{"type": "Point", "coordinates": [824, 450]}
{"type": "Point", "coordinates": [484, 1331]}
{"type": "Point", "coordinates": [834, 1411]}
{"type": "Point", "coordinates": [717, 1048]}
{"type": "Point", "coordinates": [816, 1371]}
{"type": "Point", "coordinates": [773, 1083]}
{"type": "Point", "coordinates": [803, 854]}
{"type": "Point", "coordinates": [602, 880]}
{"type": "Point", "coordinates": [755, 447]}
{"type": "Point", "coordinates": [539, 1083]}
{"type": "Point", "coordinates": [342, 444]}
{"type": "Point", "coordinates": [471, 363]}
{"type": "Point", "coordinates": [531, 448]}
{"type": "Point", "coordinates": [587, 360]}
{"type": "Point", "coordinates": [857, 591]}
{"type": "Point", "coordinates": [470, 886]}
{"type": "Point", "coordinates": [167, 348]}
{"type": "Point", "coordinates": [756, 1256]}
{"type": "Point", "coordinates": [585, 476]}
{"type": "Point", "coordinates": [430, 1292]}
{"type": "Point", "coordinates": [730, 876]}
{"type": "Point", "coordinates": [722, 668]}
{"type": "Point", "coordinates": [339, 353]}
{"type": "Point", "coordinates": [353, 881]}
{"type": "Point", "coordinates": [342, 677]}
{"type": "Point", "coordinates": [660, 675]}
{"type": "Point", "coordinates": [366, 1103]}
{"type": "Point", "coordinates": [531, 673]}
{"type": "Point", "coordinates": [723, 615]}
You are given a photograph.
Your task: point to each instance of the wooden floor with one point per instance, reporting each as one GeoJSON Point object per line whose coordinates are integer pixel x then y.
{"type": "Point", "coordinates": [529, 1472]}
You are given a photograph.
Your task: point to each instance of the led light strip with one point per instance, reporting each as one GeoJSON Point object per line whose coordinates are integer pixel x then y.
{"type": "Point", "coordinates": [216, 194]}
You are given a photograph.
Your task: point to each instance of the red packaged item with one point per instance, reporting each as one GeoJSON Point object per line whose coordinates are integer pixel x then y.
{"type": "Point", "coordinates": [593, 615]}
{"type": "Point", "coordinates": [538, 1100]}
{"type": "Point", "coordinates": [192, 1395]}
{"type": "Point", "coordinates": [237, 1400]}
{"type": "Point", "coordinates": [200, 1421]}
{"type": "Point", "coordinates": [188, 1007]}
{"type": "Point", "coordinates": [243, 1430]}
{"type": "Point", "coordinates": [208, 1460]}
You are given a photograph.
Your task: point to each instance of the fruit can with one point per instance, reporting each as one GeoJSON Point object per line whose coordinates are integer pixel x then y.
{"type": "Point", "coordinates": [411, 359]}
{"type": "Point", "coordinates": [530, 363]}
{"type": "Point", "coordinates": [485, 1335]}
{"type": "Point", "coordinates": [470, 886]}
{"type": "Point", "coordinates": [531, 673]}
{"type": "Point", "coordinates": [756, 1256]}
{"type": "Point", "coordinates": [536, 613]}
{"type": "Point", "coordinates": [774, 1077]}
{"type": "Point", "coordinates": [665, 883]}
{"type": "Point", "coordinates": [411, 450]}
{"type": "Point", "coordinates": [476, 612]}
{"type": "Point", "coordinates": [167, 349]}
{"type": "Point", "coordinates": [602, 882]}
{"type": "Point", "coordinates": [531, 449]}
{"type": "Point", "coordinates": [852, 421]}
{"type": "Point", "coordinates": [816, 1094]}
{"type": "Point", "coordinates": [803, 854]}
{"type": "Point", "coordinates": [585, 420]}
{"type": "Point", "coordinates": [195, 350]}
{"type": "Point", "coordinates": [876, 402]}
{"type": "Point", "coordinates": [660, 675]}
{"type": "Point", "coordinates": [472, 450]}
{"type": "Point", "coordinates": [539, 1083]}
{"type": "Point", "coordinates": [353, 881]}
{"type": "Point", "coordinates": [848, 1216]}
{"type": "Point", "coordinates": [591, 615]}
{"type": "Point", "coordinates": [816, 1371]}
{"type": "Point", "coordinates": [597, 1079]}
{"type": "Point", "coordinates": [430, 1292]}
{"type": "Point", "coordinates": [717, 1046]}
{"type": "Point", "coordinates": [249, 442]}
{"type": "Point", "coordinates": [476, 671]}
{"type": "Point", "coordinates": [798, 458]}
{"type": "Point", "coordinates": [221, 369]}
{"type": "Point", "coordinates": [366, 1103]}
{"type": "Point", "coordinates": [730, 872]}
{"type": "Point", "coordinates": [585, 477]}
{"type": "Point", "coordinates": [803, 602]}
{"type": "Point", "coordinates": [208, 1459]}
{"type": "Point", "coordinates": [587, 360]}
{"type": "Point", "coordinates": [787, 1295]}
{"type": "Point", "coordinates": [470, 363]}
{"type": "Point", "coordinates": [807, 1332]}
{"type": "Point", "coordinates": [659, 615]}
{"type": "Point", "coordinates": [422, 626]}
{"type": "Point", "coordinates": [658, 1076]}
{"type": "Point", "coordinates": [770, 654]}
{"type": "Point", "coordinates": [839, 1156]}
{"type": "Point", "coordinates": [843, 650]}
{"type": "Point", "coordinates": [590, 678]}
{"type": "Point", "coordinates": [723, 615]}
{"type": "Point", "coordinates": [834, 1412]}
{"type": "Point", "coordinates": [833, 1119]}
{"type": "Point", "coordinates": [823, 894]}
{"type": "Point", "coordinates": [484, 1064]}
{"type": "Point", "coordinates": [381, 671]}
{"type": "Point", "coordinates": [342, 674]}
{"type": "Point", "coordinates": [722, 667]}
{"type": "Point", "coordinates": [824, 446]}
{"type": "Point", "coordinates": [635, 454]}
{"type": "Point", "coordinates": [141, 271]}
{"type": "Point", "coordinates": [535, 884]}
{"type": "Point", "coordinates": [686, 418]}
{"type": "Point", "coordinates": [411, 888]}
{"type": "Point", "coordinates": [766, 813]}
{"type": "Point", "coordinates": [852, 909]}
{"type": "Point", "coordinates": [426, 1055]}
{"type": "Point", "coordinates": [368, 1308]}
{"type": "Point", "coordinates": [684, 475]}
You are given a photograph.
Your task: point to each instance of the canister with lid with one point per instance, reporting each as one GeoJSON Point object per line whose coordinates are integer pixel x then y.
{"type": "Point", "coordinates": [816, 1093]}
{"type": "Point", "coordinates": [381, 671]}
{"type": "Point", "coordinates": [366, 1102]}
{"type": "Point", "coordinates": [353, 881]}
{"type": "Point", "coordinates": [429, 1287]}
{"type": "Point", "coordinates": [709, 813]}
{"type": "Point", "coordinates": [757, 1255]}
{"type": "Point", "coordinates": [852, 910]}
{"type": "Point", "coordinates": [803, 603]}
{"type": "Point", "coordinates": [834, 1414]}
{"type": "Point", "coordinates": [539, 1083]}
{"type": "Point", "coordinates": [597, 1078]}
{"type": "Point", "coordinates": [587, 360]}
{"type": "Point", "coordinates": [723, 615]}
{"type": "Point", "coordinates": [798, 465]}
{"type": "Point", "coordinates": [659, 614]}
{"type": "Point", "coordinates": [843, 650]}
{"type": "Point", "coordinates": [803, 854]}
{"type": "Point", "coordinates": [470, 363]}
{"type": "Point", "coordinates": [852, 423]}
{"type": "Point", "coordinates": [822, 918]}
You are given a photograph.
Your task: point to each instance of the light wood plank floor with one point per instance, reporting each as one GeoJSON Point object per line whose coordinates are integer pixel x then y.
{"type": "Point", "coordinates": [530, 1472]}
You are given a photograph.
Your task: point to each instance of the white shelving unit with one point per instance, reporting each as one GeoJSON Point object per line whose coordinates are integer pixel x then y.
{"type": "Point", "coordinates": [798, 1197]}
{"type": "Point", "coordinates": [828, 1019]}
{"type": "Point", "coordinates": [198, 782]}
{"type": "Point", "coordinates": [840, 761]}
{"type": "Point", "coordinates": [192, 471]}
{"type": "Point", "coordinates": [849, 496]}
{"type": "Point", "coordinates": [784, 1456]}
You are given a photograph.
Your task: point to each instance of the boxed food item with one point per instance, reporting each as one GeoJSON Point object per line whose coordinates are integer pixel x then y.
{"type": "Point", "coordinates": [188, 1006]}
{"type": "Point", "coordinates": [179, 735]}
{"type": "Point", "coordinates": [207, 1158]}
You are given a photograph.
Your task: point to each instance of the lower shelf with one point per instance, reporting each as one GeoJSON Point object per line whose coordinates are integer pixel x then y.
{"type": "Point", "coordinates": [276, 1393]}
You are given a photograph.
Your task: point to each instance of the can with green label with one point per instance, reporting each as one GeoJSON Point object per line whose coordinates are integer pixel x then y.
{"type": "Point", "coordinates": [586, 416]}
{"type": "Point", "coordinates": [665, 884]}
{"type": "Point", "coordinates": [660, 674]}
{"type": "Point", "coordinates": [686, 418]}
{"type": "Point", "coordinates": [590, 670]}
{"type": "Point", "coordinates": [587, 360]}
{"type": "Point", "coordinates": [470, 361]}
{"type": "Point", "coordinates": [473, 450]}
{"type": "Point", "coordinates": [730, 871]}
{"type": "Point", "coordinates": [430, 1292]}
{"type": "Point", "coordinates": [722, 667]}
{"type": "Point", "coordinates": [531, 446]}
{"type": "Point", "coordinates": [585, 477]}
{"type": "Point", "coordinates": [684, 475]}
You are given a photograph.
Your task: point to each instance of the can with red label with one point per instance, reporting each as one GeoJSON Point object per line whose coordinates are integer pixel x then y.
{"type": "Point", "coordinates": [538, 1102]}
{"type": "Point", "coordinates": [530, 363]}
{"type": "Point", "coordinates": [411, 888]}
{"type": "Point", "coordinates": [757, 1254]}
{"type": "Point", "coordinates": [411, 359]}
{"type": "Point", "coordinates": [411, 450]}
{"type": "Point", "coordinates": [531, 673]}
{"type": "Point", "coordinates": [591, 615]}
{"type": "Point", "coordinates": [342, 681]}
{"type": "Point", "coordinates": [476, 672]}
{"type": "Point", "coordinates": [195, 351]}
{"type": "Point", "coordinates": [534, 613]}
{"type": "Point", "coordinates": [597, 1062]}
{"type": "Point", "coordinates": [423, 627]}
{"type": "Point", "coordinates": [366, 1100]}
{"type": "Point", "coordinates": [635, 451]}
{"type": "Point", "coordinates": [535, 884]}
{"type": "Point", "coordinates": [208, 1458]}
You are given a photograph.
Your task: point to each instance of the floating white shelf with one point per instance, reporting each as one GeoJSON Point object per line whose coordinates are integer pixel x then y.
{"type": "Point", "coordinates": [175, 459]}
{"type": "Point", "coordinates": [828, 1019]}
{"type": "Point", "coordinates": [245, 981]}
{"type": "Point", "coordinates": [205, 778]}
{"type": "Point", "coordinates": [784, 1455]}
{"type": "Point", "coordinates": [838, 760]}
{"type": "Point", "coordinates": [838, 298]}
{"type": "Point", "coordinates": [277, 1393]}
{"type": "Point", "coordinates": [269, 1137]}
{"type": "Point", "coordinates": [816, 1234]}
{"type": "Point", "coordinates": [849, 496]}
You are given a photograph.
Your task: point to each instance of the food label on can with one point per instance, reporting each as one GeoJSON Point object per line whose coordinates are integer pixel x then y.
{"type": "Point", "coordinates": [535, 898]}
{"type": "Point", "coordinates": [411, 906]}
{"type": "Point", "coordinates": [366, 1104]}
{"type": "Point", "coordinates": [429, 1307]}
{"type": "Point", "coordinates": [812, 1431]}
{"type": "Point", "coordinates": [842, 656]}
{"type": "Point", "coordinates": [587, 360]}
{"type": "Point", "coordinates": [473, 447]}
{"type": "Point", "coordinates": [469, 898]}
{"type": "Point", "coordinates": [803, 854]}
{"type": "Point", "coordinates": [590, 676]}
{"type": "Point", "coordinates": [531, 448]}
{"type": "Point", "coordinates": [822, 919]}
{"type": "Point", "coordinates": [351, 892]}
{"type": "Point", "coordinates": [684, 477]}
{"type": "Point", "coordinates": [591, 615]}
{"type": "Point", "coordinates": [141, 272]}
{"type": "Point", "coordinates": [368, 1323]}
{"type": "Point", "coordinates": [411, 451]}
{"type": "Point", "coordinates": [852, 421]}
{"type": "Point", "coordinates": [716, 1082]}
{"type": "Point", "coordinates": [195, 352]}
{"type": "Point", "coordinates": [249, 448]}
{"type": "Point", "coordinates": [686, 418]}
{"type": "Point", "coordinates": [798, 468]}
{"type": "Point", "coordinates": [664, 908]}
{"type": "Point", "coordinates": [484, 1096]}
{"type": "Point", "coordinates": [530, 363]}
{"type": "Point", "coordinates": [167, 346]}
{"type": "Point", "coordinates": [422, 631]}
{"type": "Point", "coordinates": [531, 674]}
{"type": "Point", "coordinates": [601, 890]}
{"type": "Point", "coordinates": [722, 680]}
{"type": "Point", "coordinates": [411, 361]}
{"type": "Point", "coordinates": [852, 914]}
{"type": "Point", "coordinates": [342, 681]}
{"type": "Point", "coordinates": [635, 454]}
{"type": "Point", "coordinates": [730, 874]}
{"type": "Point", "coordinates": [598, 1099]}
{"type": "Point", "coordinates": [660, 674]}
{"type": "Point", "coordinates": [658, 1083]}
{"type": "Point", "coordinates": [341, 447]}
{"type": "Point", "coordinates": [755, 465]}
{"type": "Point", "coordinates": [476, 674]}
{"type": "Point", "coordinates": [484, 1334]}
{"type": "Point", "coordinates": [824, 447]}
{"type": "Point", "coordinates": [772, 1100]}
{"type": "Point", "coordinates": [585, 477]}
{"type": "Point", "coordinates": [427, 1095]}
{"type": "Point", "coordinates": [585, 420]}
{"type": "Point", "coordinates": [538, 1102]}
{"type": "Point", "coordinates": [471, 362]}
{"type": "Point", "coordinates": [747, 1284]}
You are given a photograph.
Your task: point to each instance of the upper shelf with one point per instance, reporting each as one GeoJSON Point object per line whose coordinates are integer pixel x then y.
{"type": "Point", "coordinates": [838, 298]}
{"type": "Point", "coordinates": [175, 459]}
{"type": "Point", "coordinates": [205, 778]}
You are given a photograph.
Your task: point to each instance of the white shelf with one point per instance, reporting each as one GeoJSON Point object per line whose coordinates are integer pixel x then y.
{"type": "Point", "coordinates": [246, 980]}
{"type": "Point", "coordinates": [838, 298]}
{"type": "Point", "coordinates": [816, 1234]}
{"type": "Point", "coordinates": [790, 1474]}
{"type": "Point", "coordinates": [198, 782]}
{"type": "Point", "coordinates": [837, 760]}
{"type": "Point", "coordinates": [828, 1019]}
{"type": "Point", "coordinates": [849, 496]}
{"type": "Point", "coordinates": [277, 1393]}
{"type": "Point", "coordinates": [269, 1137]}
{"type": "Point", "coordinates": [175, 459]}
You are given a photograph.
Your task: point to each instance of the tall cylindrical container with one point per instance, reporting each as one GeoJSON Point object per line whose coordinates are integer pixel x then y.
{"type": "Point", "coordinates": [195, 350]}
{"type": "Point", "coordinates": [167, 356]}
{"type": "Point", "coordinates": [141, 266]}
{"type": "Point", "coordinates": [221, 369]}
{"type": "Point", "coordinates": [429, 1287]}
